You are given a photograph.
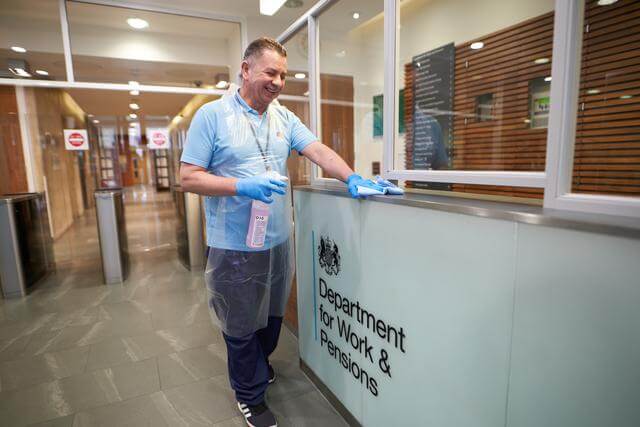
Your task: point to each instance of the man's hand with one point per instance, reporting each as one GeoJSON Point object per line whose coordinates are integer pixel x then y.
{"type": "Point", "coordinates": [260, 187]}
{"type": "Point", "coordinates": [356, 180]}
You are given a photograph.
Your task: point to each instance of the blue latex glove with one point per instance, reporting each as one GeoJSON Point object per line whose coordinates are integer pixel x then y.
{"type": "Point", "coordinates": [354, 181]}
{"type": "Point", "coordinates": [260, 187]}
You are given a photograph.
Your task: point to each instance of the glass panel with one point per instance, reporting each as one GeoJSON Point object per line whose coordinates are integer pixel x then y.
{"type": "Point", "coordinates": [607, 150]}
{"type": "Point", "coordinates": [31, 40]}
{"type": "Point", "coordinates": [297, 84]}
{"type": "Point", "coordinates": [169, 50]}
{"type": "Point", "coordinates": [352, 80]}
{"type": "Point", "coordinates": [476, 86]}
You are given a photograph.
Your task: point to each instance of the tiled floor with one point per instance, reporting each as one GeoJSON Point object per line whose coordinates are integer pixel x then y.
{"type": "Point", "coordinates": [77, 352]}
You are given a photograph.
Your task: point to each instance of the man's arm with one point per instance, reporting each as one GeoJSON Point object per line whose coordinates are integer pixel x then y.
{"type": "Point", "coordinates": [196, 179]}
{"type": "Point", "coordinates": [330, 162]}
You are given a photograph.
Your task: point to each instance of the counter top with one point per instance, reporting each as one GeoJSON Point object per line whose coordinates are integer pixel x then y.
{"type": "Point", "coordinates": [527, 214]}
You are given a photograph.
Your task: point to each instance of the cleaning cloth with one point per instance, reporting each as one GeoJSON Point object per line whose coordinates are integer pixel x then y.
{"type": "Point", "coordinates": [387, 188]}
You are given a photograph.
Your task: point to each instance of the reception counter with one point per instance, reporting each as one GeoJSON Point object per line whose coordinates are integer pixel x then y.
{"type": "Point", "coordinates": [436, 311]}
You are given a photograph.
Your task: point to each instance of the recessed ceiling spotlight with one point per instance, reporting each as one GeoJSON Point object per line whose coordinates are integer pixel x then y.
{"type": "Point", "coordinates": [299, 75]}
{"type": "Point", "coordinates": [477, 45]}
{"type": "Point", "coordinates": [134, 92]}
{"type": "Point", "coordinates": [306, 93]}
{"type": "Point", "coordinates": [547, 79]}
{"type": "Point", "coordinates": [222, 84]}
{"type": "Point", "coordinates": [626, 97]}
{"type": "Point", "coordinates": [42, 72]}
{"type": "Point", "coordinates": [356, 15]}
{"type": "Point", "coordinates": [606, 2]}
{"type": "Point", "coordinates": [96, 121]}
{"type": "Point", "coordinates": [137, 23]}
{"type": "Point", "coordinates": [270, 7]}
{"type": "Point", "coordinates": [541, 61]}
{"type": "Point", "coordinates": [133, 83]}
{"type": "Point", "coordinates": [18, 49]}
{"type": "Point", "coordinates": [134, 106]}
{"type": "Point", "coordinates": [593, 91]}
{"type": "Point", "coordinates": [133, 116]}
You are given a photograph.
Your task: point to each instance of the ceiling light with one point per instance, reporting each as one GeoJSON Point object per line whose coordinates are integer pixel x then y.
{"type": "Point", "coordinates": [626, 97]}
{"type": "Point", "coordinates": [134, 92]}
{"type": "Point", "coordinates": [547, 79]}
{"type": "Point", "coordinates": [300, 75]}
{"type": "Point", "coordinates": [222, 84]}
{"type": "Point", "coordinates": [270, 7]}
{"type": "Point", "coordinates": [341, 54]}
{"type": "Point", "coordinates": [541, 61]}
{"type": "Point", "coordinates": [477, 45]}
{"type": "Point", "coordinates": [42, 72]}
{"type": "Point", "coordinates": [134, 106]}
{"type": "Point", "coordinates": [306, 93]}
{"type": "Point", "coordinates": [133, 116]}
{"type": "Point", "coordinates": [96, 121]}
{"type": "Point", "coordinates": [89, 115]}
{"type": "Point", "coordinates": [137, 23]}
{"type": "Point", "coordinates": [133, 83]}
{"type": "Point", "coordinates": [356, 15]}
{"type": "Point", "coordinates": [18, 49]}
{"type": "Point", "coordinates": [20, 72]}
{"type": "Point", "coordinates": [606, 2]}
{"type": "Point", "coordinates": [593, 91]}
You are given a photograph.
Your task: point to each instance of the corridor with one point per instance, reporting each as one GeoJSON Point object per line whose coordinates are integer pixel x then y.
{"type": "Point", "coordinates": [76, 352]}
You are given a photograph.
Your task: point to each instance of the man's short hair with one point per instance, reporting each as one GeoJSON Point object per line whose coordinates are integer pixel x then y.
{"type": "Point", "coordinates": [256, 47]}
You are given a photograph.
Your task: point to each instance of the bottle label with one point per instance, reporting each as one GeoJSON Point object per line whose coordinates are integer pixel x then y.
{"type": "Point", "coordinates": [258, 224]}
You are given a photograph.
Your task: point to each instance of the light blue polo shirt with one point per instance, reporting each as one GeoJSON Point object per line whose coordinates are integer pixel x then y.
{"type": "Point", "coordinates": [221, 139]}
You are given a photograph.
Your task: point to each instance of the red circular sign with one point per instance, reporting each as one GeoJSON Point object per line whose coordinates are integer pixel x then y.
{"type": "Point", "coordinates": [76, 139]}
{"type": "Point", "coordinates": [158, 138]}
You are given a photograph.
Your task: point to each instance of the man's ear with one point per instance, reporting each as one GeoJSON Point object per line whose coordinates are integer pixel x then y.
{"type": "Point", "coordinates": [244, 69]}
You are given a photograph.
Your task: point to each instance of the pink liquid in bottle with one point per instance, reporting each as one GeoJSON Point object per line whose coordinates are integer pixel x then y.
{"type": "Point", "coordinates": [258, 224]}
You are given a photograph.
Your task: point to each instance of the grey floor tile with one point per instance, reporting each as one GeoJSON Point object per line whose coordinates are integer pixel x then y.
{"type": "Point", "coordinates": [29, 371]}
{"type": "Point", "coordinates": [151, 410]}
{"type": "Point", "coordinates": [290, 381]}
{"type": "Point", "coordinates": [108, 353]}
{"type": "Point", "coordinates": [173, 315]}
{"type": "Point", "coordinates": [56, 422]}
{"type": "Point", "coordinates": [14, 348]}
{"type": "Point", "coordinates": [204, 402]}
{"type": "Point", "coordinates": [196, 335]}
{"type": "Point", "coordinates": [233, 422]}
{"type": "Point", "coordinates": [308, 410]}
{"type": "Point", "coordinates": [191, 365]}
{"type": "Point", "coordinates": [129, 380]}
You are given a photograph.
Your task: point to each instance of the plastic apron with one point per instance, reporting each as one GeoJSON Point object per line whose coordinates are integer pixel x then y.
{"type": "Point", "coordinates": [246, 287]}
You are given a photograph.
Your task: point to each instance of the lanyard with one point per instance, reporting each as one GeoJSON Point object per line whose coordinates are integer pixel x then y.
{"type": "Point", "coordinates": [264, 152]}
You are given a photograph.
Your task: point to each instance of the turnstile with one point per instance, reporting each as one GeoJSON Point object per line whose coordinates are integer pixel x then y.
{"type": "Point", "coordinates": [26, 247]}
{"type": "Point", "coordinates": [191, 247]}
{"type": "Point", "coordinates": [113, 235]}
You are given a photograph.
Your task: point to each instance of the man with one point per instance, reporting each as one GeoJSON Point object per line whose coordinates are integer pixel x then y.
{"type": "Point", "coordinates": [236, 153]}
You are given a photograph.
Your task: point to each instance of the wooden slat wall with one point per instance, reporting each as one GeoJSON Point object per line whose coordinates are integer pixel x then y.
{"type": "Point", "coordinates": [607, 153]}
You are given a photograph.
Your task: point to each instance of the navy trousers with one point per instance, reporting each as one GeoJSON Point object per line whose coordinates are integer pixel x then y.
{"type": "Point", "coordinates": [248, 361]}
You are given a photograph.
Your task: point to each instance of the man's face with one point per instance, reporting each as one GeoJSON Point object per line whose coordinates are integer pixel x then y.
{"type": "Point", "coordinates": [264, 76]}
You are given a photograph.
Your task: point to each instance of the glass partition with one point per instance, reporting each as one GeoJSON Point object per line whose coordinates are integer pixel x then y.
{"type": "Point", "coordinates": [31, 40]}
{"type": "Point", "coordinates": [119, 45]}
{"type": "Point", "coordinates": [474, 81]}
{"type": "Point", "coordinates": [351, 82]}
{"type": "Point", "coordinates": [297, 84]}
{"type": "Point", "coordinates": [607, 147]}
